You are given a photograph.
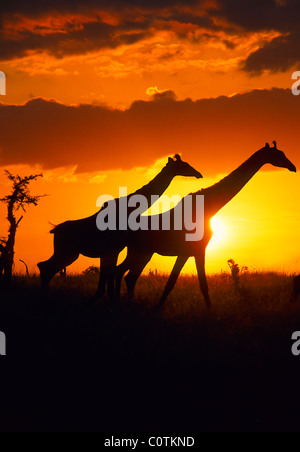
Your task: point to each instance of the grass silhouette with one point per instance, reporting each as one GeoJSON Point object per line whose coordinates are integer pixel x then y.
{"type": "Point", "coordinates": [80, 366]}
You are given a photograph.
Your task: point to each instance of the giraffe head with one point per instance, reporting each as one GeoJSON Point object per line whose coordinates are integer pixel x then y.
{"type": "Point", "coordinates": [277, 158]}
{"type": "Point", "coordinates": [180, 168]}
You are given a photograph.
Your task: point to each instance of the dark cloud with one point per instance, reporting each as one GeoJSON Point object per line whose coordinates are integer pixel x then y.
{"type": "Point", "coordinates": [267, 15]}
{"type": "Point", "coordinates": [132, 25]}
{"type": "Point", "coordinates": [168, 95]}
{"type": "Point", "coordinates": [90, 37]}
{"type": "Point", "coordinates": [218, 133]}
{"type": "Point", "coordinates": [278, 55]}
{"type": "Point", "coordinates": [258, 15]}
{"type": "Point", "coordinates": [34, 8]}
{"type": "Point", "coordinates": [249, 16]}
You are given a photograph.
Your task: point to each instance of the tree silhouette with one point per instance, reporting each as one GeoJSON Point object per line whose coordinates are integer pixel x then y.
{"type": "Point", "coordinates": [19, 199]}
{"type": "Point", "coordinates": [91, 271]}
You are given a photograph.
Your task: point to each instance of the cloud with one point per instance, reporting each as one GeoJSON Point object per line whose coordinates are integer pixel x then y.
{"type": "Point", "coordinates": [216, 133]}
{"type": "Point", "coordinates": [167, 95]}
{"type": "Point", "coordinates": [37, 8]}
{"type": "Point", "coordinates": [161, 94]}
{"type": "Point", "coordinates": [65, 28]}
{"type": "Point", "coordinates": [278, 55]}
{"type": "Point", "coordinates": [97, 179]}
{"type": "Point", "coordinates": [154, 90]}
{"type": "Point", "coordinates": [256, 15]}
{"type": "Point", "coordinates": [88, 37]}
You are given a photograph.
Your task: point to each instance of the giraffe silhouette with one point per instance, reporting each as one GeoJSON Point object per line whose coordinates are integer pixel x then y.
{"type": "Point", "coordinates": [143, 244]}
{"type": "Point", "coordinates": [73, 238]}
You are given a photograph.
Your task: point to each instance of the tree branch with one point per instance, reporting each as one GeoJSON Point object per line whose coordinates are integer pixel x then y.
{"type": "Point", "coordinates": [19, 220]}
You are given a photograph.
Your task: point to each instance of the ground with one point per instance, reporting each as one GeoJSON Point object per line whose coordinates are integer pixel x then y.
{"type": "Point", "coordinates": [74, 365]}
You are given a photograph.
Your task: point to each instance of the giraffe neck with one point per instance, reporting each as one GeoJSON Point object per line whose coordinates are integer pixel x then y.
{"type": "Point", "coordinates": [157, 186]}
{"type": "Point", "coordinates": [220, 194]}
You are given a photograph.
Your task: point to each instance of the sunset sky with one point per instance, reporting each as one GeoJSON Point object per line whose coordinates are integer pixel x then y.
{"type": "Point", "coordinates": [100, 93]}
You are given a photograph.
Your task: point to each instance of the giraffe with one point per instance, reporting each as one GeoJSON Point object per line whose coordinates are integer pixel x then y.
{"type": "Point", "coordinates": [73, 238]}
{"type": "Point", "coordinates": [143, 244]}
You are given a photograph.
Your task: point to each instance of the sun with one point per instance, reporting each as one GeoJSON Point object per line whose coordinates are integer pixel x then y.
{"type": "Point", "coordinates": [220, 231]}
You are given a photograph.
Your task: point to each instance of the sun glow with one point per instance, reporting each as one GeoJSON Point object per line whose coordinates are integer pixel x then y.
{"type": "Point", "coordinates": [220, 231]}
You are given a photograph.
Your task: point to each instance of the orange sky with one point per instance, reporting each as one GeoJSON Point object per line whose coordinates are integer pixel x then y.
{"type": "Point", "coordinates": [119, 77]}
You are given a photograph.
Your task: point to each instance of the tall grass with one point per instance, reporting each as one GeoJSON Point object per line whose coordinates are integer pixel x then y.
{"type": "Point", "coordinates": [132, 367]}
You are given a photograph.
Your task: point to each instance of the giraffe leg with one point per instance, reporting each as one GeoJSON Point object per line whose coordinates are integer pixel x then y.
{"type": "Point", "coordinates": [200, 264]}
{"type": "Point", "coordinates": [111, 277]}
{"type": "Point", "coordinates": [107, 269]}
{"type": "Point", "coordinates": [102, 283]}
{"type": "Point", "coordinates": [135, 272]}
{"type": "Point", "coordinates": [53, 266]}
{"type": "Point", "coordinates": [64, 255]}
{"type": "Point", "coordinates": [119, 274]}
{"type": "Point", "coordinates": [180, 263]}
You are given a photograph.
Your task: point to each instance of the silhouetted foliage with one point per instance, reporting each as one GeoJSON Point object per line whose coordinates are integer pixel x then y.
{"type": "Point", "coordinates": [235, 273]}
{"type": "Point", "coordinates": [26, 267]}
{"type": "Point", "coordinates": [19, 199]}
{"type": "Point", "coordinates": [296, 289]}
{"type": "Point", "coordinates": [63, 273]}
{"type": "Point", "coordinates": [92, 270]}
